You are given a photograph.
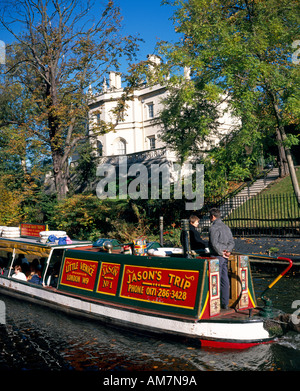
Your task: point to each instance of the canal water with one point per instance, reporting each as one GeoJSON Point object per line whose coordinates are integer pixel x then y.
{"type": "Point", "coordinates": [36, 338]}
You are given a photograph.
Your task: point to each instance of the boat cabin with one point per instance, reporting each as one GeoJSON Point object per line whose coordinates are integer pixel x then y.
{"type": "Point", "coordinates": [31, 253]}
{"type": "Point", "coordinates": [172, 284]}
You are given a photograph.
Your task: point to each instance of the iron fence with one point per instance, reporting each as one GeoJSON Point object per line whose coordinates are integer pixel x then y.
{"type": "Point", "coordinates": [270, 215]}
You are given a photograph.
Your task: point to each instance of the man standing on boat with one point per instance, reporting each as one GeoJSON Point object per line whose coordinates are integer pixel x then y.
{"type": "Point", "coordinates": [221, 244]}
{"type": "Point", "coordinates": [197, 243]}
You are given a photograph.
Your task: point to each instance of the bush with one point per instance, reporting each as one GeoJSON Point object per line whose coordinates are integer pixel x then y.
{"type": "Point", "coordinates": [171, 237]}
{"type": "Point", "coordinates": [82, 217]}
{"type": "Point", "coordinates": [85, 217]}
{"type": "Point", "coordinates": [10, 205]}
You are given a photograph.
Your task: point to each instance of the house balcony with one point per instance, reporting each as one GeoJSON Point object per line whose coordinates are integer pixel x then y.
{"type": "Point", "coordinates": [148, 157]}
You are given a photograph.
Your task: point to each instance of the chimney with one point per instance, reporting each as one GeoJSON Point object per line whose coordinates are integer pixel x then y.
{"type": "Point", "coordinates": [115, 80]}
{"type": "Point", "coordinates": [118, 80]}
{"type": "Point", "coordinates": [104, 85]}
{"type": "Point", "coordinates": [153, 59]}
{"type": "Point", "coordinates": [187, 73]}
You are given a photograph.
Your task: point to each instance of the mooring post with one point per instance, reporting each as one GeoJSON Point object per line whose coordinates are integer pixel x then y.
{"type": "Point", "coordinates": [186, 238]}
{"type": "Point", "coordinates": [161, 230]}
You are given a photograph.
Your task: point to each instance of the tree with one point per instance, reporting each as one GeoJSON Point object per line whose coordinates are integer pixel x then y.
{"type": "Point", "coordinates": [245, 47]}
{"type": "Point", "coordinates": [190, 114]}
{"type": "Point", "coordinates": [57, 56]}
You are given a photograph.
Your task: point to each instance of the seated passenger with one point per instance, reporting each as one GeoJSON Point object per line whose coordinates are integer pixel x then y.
{"type": "Point", "coordinates": [21, 258]}
{"type": "Point", "coordinates": [36, 278]}
{"type": "Point", "coordinates": [26, 269]}
{"type": "Point", "coordinates": [1, 266]}
{"type": "Point", "coordinates": [33, 267]}
{"type": "Point", "coordinates": [54, 274]}
{"type": "Point", "coordinates": [19, 275]}
{"type": "Point", "coordinates": [6, 267]}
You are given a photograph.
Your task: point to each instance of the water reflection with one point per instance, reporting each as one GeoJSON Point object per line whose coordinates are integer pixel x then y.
{"type": "Point", "coordinates": [39, 338]}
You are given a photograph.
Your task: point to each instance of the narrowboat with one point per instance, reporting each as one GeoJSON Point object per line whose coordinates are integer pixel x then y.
{"type": "Point", "coordinates": [158, 290]}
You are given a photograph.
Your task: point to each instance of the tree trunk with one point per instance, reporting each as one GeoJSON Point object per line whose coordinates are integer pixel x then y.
{"type": "Point", "coordinates": [283, 164]}
{"type": "Point", "coordinates": [287, 150]}
{"type": "Point", "coordinates": [291, 167]}
{"type": "Point", "coordinates": [61, 176]}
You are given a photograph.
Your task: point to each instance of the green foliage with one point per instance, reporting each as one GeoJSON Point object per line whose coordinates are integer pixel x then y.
{"type": "Point", "coordinates": [244, 48]}
{"type": "Point", "coordinates": [58, 54]}
{"type": "Point", "coordinates": [215, 178]}
{"type": "Point", "coordinates": [188, 117]}
{"type": "Point", "coordinates": [291, 139]}
{"type": "Point", "coordinates": [87, 217]}
{"type": "Point", "coordinates": [38, 207]}
{"type": "Point", "coordinates": [171, 236]}
{"type": "Point", "coordinates": [82, 217]}
{"type": "Point", "coordinates": [10, 205]}
{"type": "Point", "coordinates": [84, 172]}
{"type": "Point", "coordinates": [126, 232]}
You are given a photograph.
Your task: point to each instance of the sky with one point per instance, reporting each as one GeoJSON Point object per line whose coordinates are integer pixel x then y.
{"type": "Point", "coordinates": [148, 19]}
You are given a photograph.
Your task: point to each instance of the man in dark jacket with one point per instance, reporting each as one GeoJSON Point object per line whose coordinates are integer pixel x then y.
{"type": "Point", "coordinates": [221, 244]}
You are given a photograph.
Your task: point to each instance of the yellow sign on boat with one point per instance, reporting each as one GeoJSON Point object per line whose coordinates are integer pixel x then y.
{"type": "Point", "coordinates": [24, 248]}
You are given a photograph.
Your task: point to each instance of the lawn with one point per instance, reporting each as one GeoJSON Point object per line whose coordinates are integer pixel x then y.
{"type": "Point", "coordinates": [275, 207]}
{"type": "Point", "coordinates": [282, 186]}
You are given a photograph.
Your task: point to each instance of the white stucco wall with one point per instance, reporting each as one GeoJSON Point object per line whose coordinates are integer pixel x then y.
{"type": "Point", "coordinates": [138, 127]}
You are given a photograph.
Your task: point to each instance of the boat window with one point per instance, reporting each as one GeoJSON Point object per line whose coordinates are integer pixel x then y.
{"type": "Point", "coordinates": [52, 271]}
{"type": "Point", "coordinates": [37, 269]}
{"type": "Point", "coordinates": [5, 261]}
{"type": "Point", "coordinates": [29, 265]}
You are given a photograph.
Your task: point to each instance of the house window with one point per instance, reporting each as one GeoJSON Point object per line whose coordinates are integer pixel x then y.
{"type": "Point", "coordinates": [120, 147]}
{"type": "Point", "coordinates": [150, 110]}
{"type": "Point", "coordinates": [98, 118]}
{"type": "Point", "coordinates": [99, 148]}
{"type": "Point", "coordinates": [152, 142]}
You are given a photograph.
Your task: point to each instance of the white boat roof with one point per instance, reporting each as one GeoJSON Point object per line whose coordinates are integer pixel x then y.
{"type": "Point", "coordinates": [27, 245]}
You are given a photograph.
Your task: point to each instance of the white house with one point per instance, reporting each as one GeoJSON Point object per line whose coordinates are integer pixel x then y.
{"type": "Point", "coordinates": [136, 134]}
